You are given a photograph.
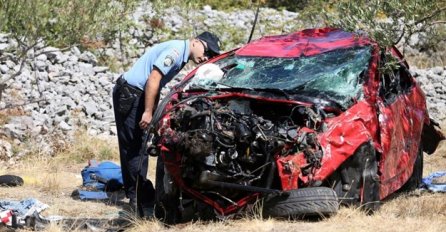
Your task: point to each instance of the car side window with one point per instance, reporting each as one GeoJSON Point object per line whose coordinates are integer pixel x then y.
{"type": "Point", "coordinates": [395, 83]}
{"type": "Point", "coordinates": [406, 80]}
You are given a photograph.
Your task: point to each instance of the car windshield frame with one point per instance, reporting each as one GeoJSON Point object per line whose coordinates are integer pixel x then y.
{"type": "Point", "coordinates": [335, 75]}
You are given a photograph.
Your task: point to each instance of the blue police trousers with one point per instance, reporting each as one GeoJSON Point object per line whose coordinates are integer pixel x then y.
{"type": "Point", "coordinates": [130, 138]}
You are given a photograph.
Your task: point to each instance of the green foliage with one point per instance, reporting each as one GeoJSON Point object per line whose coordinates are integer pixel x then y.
{"type": "Point", "coordinates": [62, 22]}
{"type": "Point", "coordinates": [417, 23]}
{"type": "Point", "coordinates": [387, 22]}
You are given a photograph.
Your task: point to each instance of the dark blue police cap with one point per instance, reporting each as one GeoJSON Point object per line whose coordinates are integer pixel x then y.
{"type": "Point", "coordinates": [212, 41]}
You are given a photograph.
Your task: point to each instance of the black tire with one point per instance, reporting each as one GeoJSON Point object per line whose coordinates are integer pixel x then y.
{"type": "Point", "coordinates": [314, 201]}
{"type": "Point", "coordinates": [166, 205]}
{"type": "Point", "coordinates": [415, 179]}
{"type": "Point", "coordinates": [11, 181]}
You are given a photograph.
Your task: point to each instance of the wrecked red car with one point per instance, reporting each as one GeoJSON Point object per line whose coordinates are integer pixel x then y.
{"type": "Point", "coordinates": [299, 122]}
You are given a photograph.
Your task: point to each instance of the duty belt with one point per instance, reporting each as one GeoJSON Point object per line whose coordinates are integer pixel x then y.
{"type": "Point", "coordinates": [122, 83]}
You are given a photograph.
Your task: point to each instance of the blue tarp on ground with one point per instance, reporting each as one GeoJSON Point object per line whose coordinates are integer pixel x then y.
{"type": "Point", "coordinates": [91, 195]}
{"type": "Point", "coordinates": [104, 171]}
{"type": "Point", "coordinates": [428, 182]}
{"type": "Point", "coordinates": [99, 177]}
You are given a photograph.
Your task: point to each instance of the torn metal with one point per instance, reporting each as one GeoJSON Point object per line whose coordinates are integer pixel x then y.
{"type": "Point", "coordinates": [307, 109]}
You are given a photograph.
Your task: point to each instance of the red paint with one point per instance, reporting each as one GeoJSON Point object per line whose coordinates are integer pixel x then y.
{"type": "Point", "coordinates": [401, 123]}
{"type": "Point", "coordinates": [345, 134]}
{"type": "Point", "coordinates": [289, 170]}
{"type": "Point", "coordinates": [393, 128]}
{"type": "Point", "coordinates": [303, 43]}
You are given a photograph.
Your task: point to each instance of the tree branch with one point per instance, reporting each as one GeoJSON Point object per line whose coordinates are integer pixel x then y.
{"type": "Point", "coordinates": [401, 36]}
{"type": "Point", "coordinates": [23, 59]}
{"type": "Point", "coordinates": [4, 80]}
{"type": "Point", "coordinates": [7, 56]}
{"type": "Point", "coordinates": [438, 11]}
{"type": "Point", "coordinates": [437, 22]}
{"type": "Point", "coordinates": [50, 51]}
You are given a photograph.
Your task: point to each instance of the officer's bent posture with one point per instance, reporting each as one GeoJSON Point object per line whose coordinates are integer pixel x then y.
{"type": "Point", "coordinates": [134, 97]}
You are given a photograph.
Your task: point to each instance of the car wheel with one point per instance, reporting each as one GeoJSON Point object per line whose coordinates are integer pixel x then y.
{"type": "Point", "coordinates": [166, 203]}
{"type": "Point", "coordinates": [414, 181]}
{"type": "Point", "coordinates": [312, 201]}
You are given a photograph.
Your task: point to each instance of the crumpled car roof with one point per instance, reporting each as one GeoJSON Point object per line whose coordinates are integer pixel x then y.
{"type": "Point", "coordinates": [303, 43]}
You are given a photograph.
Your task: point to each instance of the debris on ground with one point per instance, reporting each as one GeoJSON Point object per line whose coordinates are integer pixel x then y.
{"type": "Point", "coordinates": [431, 183]}
{"type": "Point", "coordinates": [100, 181]}
{"type": "Point", "coordinates": [10, 181]}
{"type": "Point", "coordinates": [26, 214]}
{"type": "Point", "coordinates": [21, 210]}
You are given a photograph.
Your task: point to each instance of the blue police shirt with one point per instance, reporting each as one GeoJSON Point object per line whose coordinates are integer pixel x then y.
{"type": "Point", "coordinates": [169, 57]}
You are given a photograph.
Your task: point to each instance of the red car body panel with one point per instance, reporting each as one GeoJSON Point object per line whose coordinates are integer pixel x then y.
{"type": "Point", "coordinates": [289, 170]}
{"type": "Point", "coordinates": [356, 126]}
{"type": "Point", "coordinates": [393, 129]}
{"type": "Point", "coordinates": [401, 124]}
{"type": "Point", "coordinates": [303, 43]}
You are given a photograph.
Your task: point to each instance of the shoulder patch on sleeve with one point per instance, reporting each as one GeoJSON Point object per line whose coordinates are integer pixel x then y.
{"type": "Point", "coordinates": [168, 61]}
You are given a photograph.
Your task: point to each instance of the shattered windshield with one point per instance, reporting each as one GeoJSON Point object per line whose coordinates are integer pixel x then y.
{"type": "Point", "coordinates": [334, 75]}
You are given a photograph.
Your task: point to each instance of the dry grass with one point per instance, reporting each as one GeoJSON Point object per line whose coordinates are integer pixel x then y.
{"type": "Point", "coordinates": [6, 114]}
{"type": "Point", "coordinates": [52, 179]}
{"type": "Point", "coordinates": [390, 218]}
{"type": "Point", "coordinates": [427, 61]}
{"type": "Point", "coordinates": [86, 147]}
{"type": "Point", "coordinates": [425, 212]}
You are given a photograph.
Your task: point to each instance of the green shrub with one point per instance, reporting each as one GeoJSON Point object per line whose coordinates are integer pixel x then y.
{"type": "Point", "coordinates": [388, 22]}
{"type": "Point", "coordinates": [63, 22]}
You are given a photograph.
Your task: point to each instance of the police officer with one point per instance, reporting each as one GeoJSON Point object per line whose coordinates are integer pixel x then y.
{"type": "Point", "coordinates": [135, 97]}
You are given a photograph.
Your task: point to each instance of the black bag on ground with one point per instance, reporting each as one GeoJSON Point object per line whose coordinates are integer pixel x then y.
{"type": "Point", "coordinates": [11, 180]}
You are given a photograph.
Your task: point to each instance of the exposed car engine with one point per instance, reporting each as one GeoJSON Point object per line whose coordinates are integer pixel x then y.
{"type": "Point", "coordinates": [235, 141]}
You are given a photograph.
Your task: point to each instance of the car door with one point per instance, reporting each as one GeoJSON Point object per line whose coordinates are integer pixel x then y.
{"type": "Point", "coordinates": [401, 109]}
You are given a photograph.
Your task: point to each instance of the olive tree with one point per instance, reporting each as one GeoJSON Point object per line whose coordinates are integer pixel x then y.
{"type": "Point", "coordinates": [34, 25]}
{"type": "Point", "coordinates": [419, 24]}
{"type": "Point", "coordinates": [389, 22]}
